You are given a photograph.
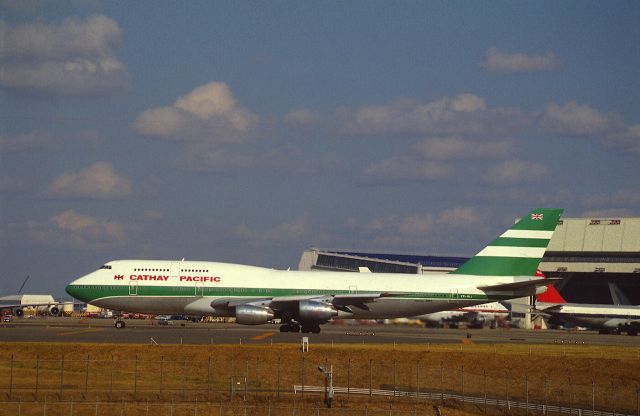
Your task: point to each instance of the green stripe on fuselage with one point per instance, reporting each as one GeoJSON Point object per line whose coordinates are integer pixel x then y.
{"type": "Point", "coordinates": [90, 293]}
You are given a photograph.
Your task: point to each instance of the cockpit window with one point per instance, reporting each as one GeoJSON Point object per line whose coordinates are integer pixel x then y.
{"type": "Point", "coordinates": [105, 266]}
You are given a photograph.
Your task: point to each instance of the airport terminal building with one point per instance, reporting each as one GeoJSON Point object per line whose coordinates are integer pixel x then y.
{"type": "Point", "coordinates": [587, 253]}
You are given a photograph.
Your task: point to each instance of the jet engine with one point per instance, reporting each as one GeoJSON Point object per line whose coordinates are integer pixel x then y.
{"type": "Point", "coordinates": [312, 311]}
{"type": "Point", "coordinates": [18, 312]}
{"type": "Point", "coordinates": [253, 315]}
{"type": "Point", "coordinates": [54, 311]}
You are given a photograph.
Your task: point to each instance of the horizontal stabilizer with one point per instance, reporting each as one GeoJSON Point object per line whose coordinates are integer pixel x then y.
{"type": "Point", "coordinates": [510, 287]}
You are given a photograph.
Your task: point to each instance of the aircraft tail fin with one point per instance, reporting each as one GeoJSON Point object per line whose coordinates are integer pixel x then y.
{"type": "Point", "coordinates": [551, 295]}
{"type": "Point", "coordinates": [518, 251]}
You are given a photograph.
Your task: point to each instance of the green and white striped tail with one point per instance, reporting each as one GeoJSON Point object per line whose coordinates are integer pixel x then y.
{"type": "Point", "coordinates": [518, 251]}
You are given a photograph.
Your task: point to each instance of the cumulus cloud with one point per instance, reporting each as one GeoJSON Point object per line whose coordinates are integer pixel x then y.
{"type": "Point", "coordinates": [497, 61]}
{"type": "Point", "coordinates": [26, 141]}
{"type": "Point", "coordinates": [208, 114]}
{"type": "Point", "coordinates": [464, 114]}
{"type": "Point", "coordinates": [513, 172]}
{"type": "Point", "coordinates": [572, 119]}
{"type": "Point", "coordinates": [76, 57]}
{"type": "Point", "coordinates": [205, 158]}
{"type": "Point", "coordinates": [75, 230]}
{"type": "Point", "coordinates": [98, 181]}
{"type": "Point", "coordinates": [455, 148]}
{"type": "Point", "coordinates": [460, 217]}
{"type": "Point", "coordinates": [301, 117]}
{"type": "Point", "coordinates": [402, 168]}
{"type": "Point", "coordinates": [297, 229]}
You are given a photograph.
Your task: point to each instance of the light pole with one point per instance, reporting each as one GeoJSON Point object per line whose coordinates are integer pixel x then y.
{"type": "Point", "coordinates": [328, 384]}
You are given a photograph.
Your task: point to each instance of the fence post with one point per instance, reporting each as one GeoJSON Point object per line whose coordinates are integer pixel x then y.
{"type": "Point", "coordinates": [302, 374]}
{"type": "Point", "coordinates": [484, 389]}
{"type": "Point", "coordinates": [417, 380]}
{"type": "Point", "coordinates": [86, 376]}
{"type": "Point", "coordinates": [462, 379]}
{"type": "Point", "coordinates": [348, 378]}
{"type": "Point", "coordinates": [507, 385]}
{"type": "Point", "coordinates": [135, 378]}
{"type": "Point", "coordinates": [546, 394]}
{"type": "Point", "coordinates": [161, 374]}
{"type": "Point", "coordinates": [394, 378]}
{"type": "Point", "coordinates": [184, 376]}
{"type": "Point", "coordinates": [209, 378]}
{"type": "Point", "coordinates": [370, 376]}
{"type": "Point", "coordinates": [526, 388]}
{"type": "Point", "coordinates": [111, 378]}
{"type": "Point", "coordinates": [37, 374]}
{"type": "Point", "coordinates": [593, 395]}
{"type": "Point", "coordinates": [61, 376]}
{"type": "Point", "coordinates": [278, 381]}
{"type": "Point", "coordinates": [441, 381]}
{"type": "Point", "coordinates": [11, 377]}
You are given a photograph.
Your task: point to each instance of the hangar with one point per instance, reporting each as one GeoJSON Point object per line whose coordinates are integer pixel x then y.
{"type": "Point", "coordinates": [588, 253]}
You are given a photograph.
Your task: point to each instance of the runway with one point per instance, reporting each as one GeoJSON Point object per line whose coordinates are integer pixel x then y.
{"type": "Point", "coordinates": [74, 330]}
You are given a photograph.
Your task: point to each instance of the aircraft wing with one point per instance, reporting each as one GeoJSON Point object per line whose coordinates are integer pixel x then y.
{"type": "Point", "coordinates": [341, 301]}
{"type": "Point", "coordinates": [30, 305]}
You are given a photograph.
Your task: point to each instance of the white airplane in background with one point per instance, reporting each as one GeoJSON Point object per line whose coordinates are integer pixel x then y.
{"type": "Point", "coordinates": [10, 305]}
{"type": "Point", "coordinates": [305, 300]}
{"type": "Point", "coordinates": [608, 319]}
{"type": "Point", "coordinates": [475, 316]}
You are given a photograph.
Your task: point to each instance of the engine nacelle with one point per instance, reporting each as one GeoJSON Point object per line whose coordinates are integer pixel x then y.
{"type": "Point", "coordinates": [253, 315]}
{"type": "Point", "coordinates": [312, 311]}
{"type": "Point", "coordinates": [18, 312]}
{"type": "Point", "coordinates": [54, 311]}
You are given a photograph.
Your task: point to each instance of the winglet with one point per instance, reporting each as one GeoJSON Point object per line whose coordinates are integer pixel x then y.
{"type": "Point", "coordinates": [518, 251]}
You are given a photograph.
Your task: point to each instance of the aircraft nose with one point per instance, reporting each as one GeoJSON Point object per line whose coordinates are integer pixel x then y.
{"type": "Point", "coordinates": [75, 290]}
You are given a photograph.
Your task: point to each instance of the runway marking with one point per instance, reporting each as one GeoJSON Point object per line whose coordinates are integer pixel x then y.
{"type": "Point", "coordinates": [263, 336]}
{"type": "Point", "coordinates": [82, 331]}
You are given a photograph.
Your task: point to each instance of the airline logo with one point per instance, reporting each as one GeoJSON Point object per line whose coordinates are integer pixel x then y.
{"type": "Point", "coordinates": [118, 277]}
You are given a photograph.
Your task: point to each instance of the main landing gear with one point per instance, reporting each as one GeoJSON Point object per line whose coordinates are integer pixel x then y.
{"type": "Point", "coordinates": [119, 324]}
{"type": "Point", "coordinates": [305, 328]}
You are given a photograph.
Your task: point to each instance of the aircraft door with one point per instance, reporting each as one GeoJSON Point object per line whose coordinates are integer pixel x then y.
{"type": "Point", "coordinates": [199, 289]}
{"type": "Point", "coordinates": [453, 295]}
{"type": "Point", "coordinates": [353, 289]}
{"type": "Point", "coordinates": [133, 287]}
{"type": "Point", "coordinates": [174, 270]}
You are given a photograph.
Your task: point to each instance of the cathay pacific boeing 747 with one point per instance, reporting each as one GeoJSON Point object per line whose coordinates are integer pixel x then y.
{"type": "Point", "coordinates": [305, 300]}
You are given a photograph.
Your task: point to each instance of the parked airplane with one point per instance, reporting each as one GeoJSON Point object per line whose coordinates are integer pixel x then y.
{"type": "Point", "coordinates": [16, 303]}
{"type": "Point", "coordinates": [606, 318]}
{"type": "Point", "coordinates": [305, 300]}
{"type": "Point", "coordinates": [475, 316]}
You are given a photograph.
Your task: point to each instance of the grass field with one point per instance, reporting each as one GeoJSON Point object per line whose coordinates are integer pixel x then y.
{"type": "Point", "coordinates": [111, 379]}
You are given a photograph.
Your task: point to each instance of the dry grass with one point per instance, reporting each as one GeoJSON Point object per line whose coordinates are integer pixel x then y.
{"type": "Point", "coordinates": [161, 374]}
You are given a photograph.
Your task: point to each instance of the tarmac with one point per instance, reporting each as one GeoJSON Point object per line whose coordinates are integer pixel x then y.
{"type": "Point", "coordinates": [75, 330]}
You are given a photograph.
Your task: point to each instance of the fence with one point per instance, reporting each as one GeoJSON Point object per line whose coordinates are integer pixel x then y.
{"type": "Point", "coordinates": [160, 381]}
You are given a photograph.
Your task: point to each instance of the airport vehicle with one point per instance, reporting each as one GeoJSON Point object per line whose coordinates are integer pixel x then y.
{"type": "Point", "coordinates": [608, 319]}
{"type": "Point", "coordinates": [304, 300]}
{"type": "Point", "coordinates": [7, 318]}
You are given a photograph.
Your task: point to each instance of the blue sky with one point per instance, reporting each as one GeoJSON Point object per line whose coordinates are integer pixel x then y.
{"type": "Point", "coordinates": [248, 131]}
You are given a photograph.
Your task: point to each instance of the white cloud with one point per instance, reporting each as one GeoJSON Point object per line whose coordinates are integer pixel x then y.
{"type": "Point", "coordinates": [98, 181]}
{"type": "Point", "coordinates": [76, 57]}
{"type": "Point", "coordinates": [297, 229]}
{"type": "Point", "coordinates": [628, 139]}
{"type": "Point", "coordinates": [208, 114]}
{"type": "Point", "coordinates": [454, 148]}
{"type": "Point", "coordinates": [402, 169]}
{"type": "Point", "coordinates": [497, 61]}
{"type": "Point", "coordinates": [464, 114]}
{"type": "Point", "coordinates": [26, 141]}
{"type": "Point", "coordinates": [460, 217]}
{"type": "Point", "coordinates": [76, 230]}
{"type": "Point", "coordinates": [206, 158]}
{"type": "Point", "coordinates": [513, 172]}
{"type": "Point", "coordinates": [572, 119]}
{"type": "Point", "coordinates": [301, 117]}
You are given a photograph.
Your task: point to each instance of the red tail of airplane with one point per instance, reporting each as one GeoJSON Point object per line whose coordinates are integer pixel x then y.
{"type": "Point", "coordinates": [551, 295]}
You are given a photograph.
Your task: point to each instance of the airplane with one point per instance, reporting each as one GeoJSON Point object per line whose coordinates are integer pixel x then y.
{"type": "Point", "coordinates": [608, 319]}
{"type": "Point", "coordinates": [475, 316]}
{"type": "Point", "coordinates": [9, 304]}
{"type": "Point", "coordinates": [303, 300]}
